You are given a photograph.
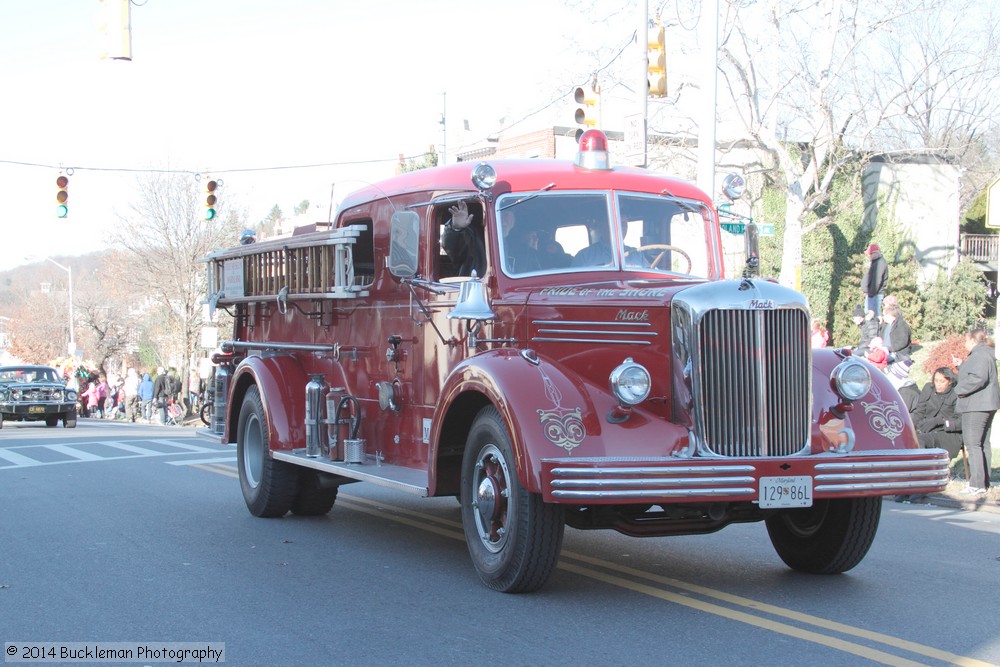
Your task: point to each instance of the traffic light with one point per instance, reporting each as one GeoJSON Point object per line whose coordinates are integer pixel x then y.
{"type": "Point", "coordinates": [210, 199]}
{"type": "Point", "coordinates": [588, 110]}
{"type": "Point", "coordinates": [62, 196]}
{"type": "Point", "coordinates": [656, 68]}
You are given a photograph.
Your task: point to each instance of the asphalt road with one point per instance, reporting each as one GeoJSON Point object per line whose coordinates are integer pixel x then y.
{"type": "Point", "coordinates": [134, 533]}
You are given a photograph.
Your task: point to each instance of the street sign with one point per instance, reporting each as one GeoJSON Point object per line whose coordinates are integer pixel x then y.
{"type": "Point", "coordinates": [635, 140]}
{"type": "Point", "coordinates": [765, 230]}
{"type": "Point", "coordinates": [733, 227]}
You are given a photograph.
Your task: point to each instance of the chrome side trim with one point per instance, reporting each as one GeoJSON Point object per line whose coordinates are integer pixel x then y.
{"type": "Point", "coordinates": [399, 478]}
{"type": "Point", "coordinates": [589, 340]}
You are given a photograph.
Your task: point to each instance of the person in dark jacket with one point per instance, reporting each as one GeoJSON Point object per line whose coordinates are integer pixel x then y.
{"type": "Point", "coordinates": [463, 241]}
{"type": "Point", "coordinates": [161, 392]}
{"type": "Point", "coordinates": [978, 401]}
{"type": "Point", "coordinates": [896, 334]}
{"type": "Point", "coordinates": [874, 279]}
{"type": "Point", "coordinates": [867, 325]}
{"type": "Point", "coordinates": [935, 417]}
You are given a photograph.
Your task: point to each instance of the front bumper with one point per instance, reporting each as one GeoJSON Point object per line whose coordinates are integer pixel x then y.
{"type": "Point", "coordinates": [26, 410]}
{"type": "Point", "coordinates": [609, 480]}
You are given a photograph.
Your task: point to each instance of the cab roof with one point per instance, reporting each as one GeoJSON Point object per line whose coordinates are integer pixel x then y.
{"type": "Point", "coordinates": [525, 176]}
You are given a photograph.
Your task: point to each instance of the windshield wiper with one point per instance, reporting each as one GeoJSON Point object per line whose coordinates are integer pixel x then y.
{"type": "Point", "coordinates": [527, 197]}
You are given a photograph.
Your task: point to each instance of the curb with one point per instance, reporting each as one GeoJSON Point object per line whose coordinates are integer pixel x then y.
{"type": "Point", "coordinates": [939, 500]}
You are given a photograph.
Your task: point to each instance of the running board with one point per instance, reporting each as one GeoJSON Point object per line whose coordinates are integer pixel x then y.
{"type": "Point", "coordinates": [400, 478]}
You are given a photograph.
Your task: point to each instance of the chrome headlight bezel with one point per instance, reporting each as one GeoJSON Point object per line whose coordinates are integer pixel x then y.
{"type": "Point", "coordinates": [851, 380]}
{"type": "Point", "coordinates": [630, 382]}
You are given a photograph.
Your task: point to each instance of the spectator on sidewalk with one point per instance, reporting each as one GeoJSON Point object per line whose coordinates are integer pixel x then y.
{"type": "Point", "coordinates": [896, 333]}
{"type": "Point", "coordinates": [935, 417]}
{"type": "Point", "coordinates": [146, 398]}
{"type": "Point", "coordinates": [820, 336]}
{"type": "Point", "coordinates": [130, 391]}
{"type": "Point", "coordinates": [867, 327]}
{"type": "Point", "coordinates": [978, 401]}
{"type": "Point", "coordinates": [161, 394]}
{"type": "Point", "coordinates": [874, 279]}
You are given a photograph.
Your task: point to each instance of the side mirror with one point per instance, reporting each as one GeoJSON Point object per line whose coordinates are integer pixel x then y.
{"type": "Point", "coordinates": [404, 241]}
{"type": "Point", "coordinates": [733, 186]}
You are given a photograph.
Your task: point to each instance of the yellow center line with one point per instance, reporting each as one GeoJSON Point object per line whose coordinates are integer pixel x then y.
{"type": "Point", "coordinates": [217, 471]}
{"type": "Point", "coordinates": [420, 521]}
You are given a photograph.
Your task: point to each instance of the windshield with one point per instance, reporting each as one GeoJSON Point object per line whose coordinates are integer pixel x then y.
{"type": "Point", "coordinates": [25, 375]}
{"type": "Point", "coordinates": [581, 231]}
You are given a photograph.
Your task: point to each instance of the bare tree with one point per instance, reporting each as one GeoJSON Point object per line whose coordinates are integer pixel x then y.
{"type": "Point", "coordinates": [31, 329]}
{"type": "Point", "coordinates": [105, 315]}
{"type": "Point", "coordinates": [162, 238]}
{"type": "Point", "coordinates": [815, 88]}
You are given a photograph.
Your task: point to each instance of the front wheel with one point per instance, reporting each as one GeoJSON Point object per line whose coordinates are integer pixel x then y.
{"type": "Point", "coordinates": [269, 486]}
{"type": "Point", "coordinates": [830, 537]}
{"type": "Point", "coordinates": [513, 537]}
{"type": "Point", "coordinates": [69, 420]}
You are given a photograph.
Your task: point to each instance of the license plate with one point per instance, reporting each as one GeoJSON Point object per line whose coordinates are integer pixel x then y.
{"type": "Point", "coordinates": [36, 408]}
{"type": "Point", "coordinates": [777, 492]}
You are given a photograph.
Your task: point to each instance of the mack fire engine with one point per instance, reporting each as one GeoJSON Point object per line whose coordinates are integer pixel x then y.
{"type": "Point", "coordinates": [595, 369]}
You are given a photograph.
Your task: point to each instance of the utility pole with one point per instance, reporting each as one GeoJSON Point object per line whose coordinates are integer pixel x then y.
{"type": "Point", "coordinates": [642, 90]}
{"type": "Point", "coordinates": [706, 128]}
{"type": "Point", "coordinates": [444, 129]}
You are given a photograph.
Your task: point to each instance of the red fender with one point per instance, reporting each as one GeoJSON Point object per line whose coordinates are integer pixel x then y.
{"type": "Point", "coordinates": [550, 413]}
{"type": "Point", "coordinates": [281, 381]}
{"type": "Point", "coordinates": [877, 421]}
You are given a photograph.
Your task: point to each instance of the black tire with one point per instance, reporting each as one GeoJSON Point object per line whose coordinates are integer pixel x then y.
{"type": "Point", "coordinates": [69, 420]}
{"type": "Point", "coordinates": [269, 486]}
{"type": "Point", "coordinates": [206, 414]}
{"type": "Point", "coordinates": [830, 537]}
{"type": "Point", "coordinates": [314, 498]}
{"type": "Point", "coordinates": [513, 537]}
{"type": "Point", "coordinates": [52, 421]}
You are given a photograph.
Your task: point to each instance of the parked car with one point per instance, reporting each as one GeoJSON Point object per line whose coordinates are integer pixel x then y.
{"type": "Point", "coordinates": [36, 393]}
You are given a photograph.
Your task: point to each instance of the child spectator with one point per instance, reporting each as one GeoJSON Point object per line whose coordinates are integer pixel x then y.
{"type": "Point", "coordinates": [820, 336]}
{"type": "Point", "coordinates": [878, 353]}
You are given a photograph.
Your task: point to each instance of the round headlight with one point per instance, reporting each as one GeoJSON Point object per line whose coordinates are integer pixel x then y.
{"type": "Point", "coordinates": [630, 382]}
{"type": "Point", "coordinates": [70, 395]}
{"type": "Point", "coordinates": [852, 380]}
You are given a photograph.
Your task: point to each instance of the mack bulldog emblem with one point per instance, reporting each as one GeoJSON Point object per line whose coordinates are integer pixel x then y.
{"type": "Point", "coordinates": [561, 426]}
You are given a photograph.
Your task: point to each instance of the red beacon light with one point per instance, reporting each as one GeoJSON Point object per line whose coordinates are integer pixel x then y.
{"type": "Point", "coordinates": [593, 151]}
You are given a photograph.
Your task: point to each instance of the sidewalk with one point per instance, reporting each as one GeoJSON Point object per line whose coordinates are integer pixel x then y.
{"type": "Point", "coordinates": [952, 498]}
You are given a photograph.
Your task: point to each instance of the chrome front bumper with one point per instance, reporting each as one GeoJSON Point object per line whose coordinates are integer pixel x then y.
{"type": "Point", "coordinates": [612, 480]}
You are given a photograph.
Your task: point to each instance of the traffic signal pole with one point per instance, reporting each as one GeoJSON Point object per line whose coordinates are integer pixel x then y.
{"type": "Point", "coordinates": [642, 90]}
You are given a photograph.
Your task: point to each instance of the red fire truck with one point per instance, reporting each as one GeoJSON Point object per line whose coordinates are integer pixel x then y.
{"type": "Point", "coordinates": [595, 369]}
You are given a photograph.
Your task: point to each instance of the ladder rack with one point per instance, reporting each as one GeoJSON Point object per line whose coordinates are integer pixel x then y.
{"type": "Point", "coordinates": [311, 266]}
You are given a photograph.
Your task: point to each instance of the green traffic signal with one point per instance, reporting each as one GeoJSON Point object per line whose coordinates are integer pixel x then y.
{"type": "Point", "coordinates": [62, 211]}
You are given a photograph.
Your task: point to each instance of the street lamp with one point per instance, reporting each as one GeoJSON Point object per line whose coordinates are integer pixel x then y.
{"type": "Point", "coordinates": [71, 348]}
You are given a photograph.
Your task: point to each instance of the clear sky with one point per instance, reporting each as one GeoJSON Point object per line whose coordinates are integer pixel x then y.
{"type": "Point", "coordinates": [221, 86]}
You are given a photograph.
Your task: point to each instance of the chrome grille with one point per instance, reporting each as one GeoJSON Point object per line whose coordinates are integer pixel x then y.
{"type": "Point", "coordinates": [754, 381]}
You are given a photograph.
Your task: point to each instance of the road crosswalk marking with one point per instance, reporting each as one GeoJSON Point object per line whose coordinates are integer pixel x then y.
{"type": "Point", "coordinates": [73, 452]}
{"type": "Point", "coordinates": [30, 456]}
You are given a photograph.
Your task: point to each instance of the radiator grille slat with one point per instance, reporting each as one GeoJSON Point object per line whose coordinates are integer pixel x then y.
{"type": "Point", "coordinates": [754, 380]}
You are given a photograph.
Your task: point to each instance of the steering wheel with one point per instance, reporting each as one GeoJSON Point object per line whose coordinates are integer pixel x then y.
{"type": "Point", "coordinates": [663, 248]}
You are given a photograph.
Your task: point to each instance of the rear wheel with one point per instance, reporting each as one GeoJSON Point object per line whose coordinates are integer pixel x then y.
{"type": "Point", "coordinates": [269, 486]}
{"type": "Point", "coordinates": [206, 414]}
{"type": "Point", "coordinates": [52, 421]}
{"type": "Point", "coordinates": [513, 537]}
{"type": "Point", "coordinates": [830, 537]}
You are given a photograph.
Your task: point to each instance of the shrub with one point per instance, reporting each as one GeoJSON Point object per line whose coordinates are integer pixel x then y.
{"type": "Point", "coordinates": [940, 355]}
{"type": "Point", "coordinates": [954, 303]}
